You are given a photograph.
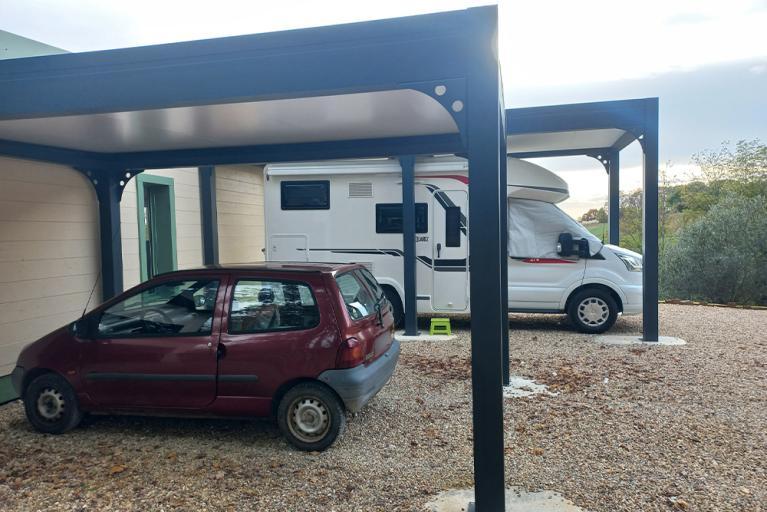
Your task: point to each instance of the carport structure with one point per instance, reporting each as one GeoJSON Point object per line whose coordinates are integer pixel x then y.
{"type": "Point", "coordinates": [403, 87]}
{"type": "Point", "coordinates": [601, 130]}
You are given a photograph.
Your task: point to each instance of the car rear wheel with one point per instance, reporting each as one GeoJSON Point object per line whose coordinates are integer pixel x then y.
{"type": "Point", "coordinates": [593, 310]}
{"type": "Point", "coordinates": [311, 417]}
{"type": "Point", "coordinates": [51, 404]}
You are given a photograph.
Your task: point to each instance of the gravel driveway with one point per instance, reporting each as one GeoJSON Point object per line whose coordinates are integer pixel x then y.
{"type": "Point", "coordinates": [632, 428]}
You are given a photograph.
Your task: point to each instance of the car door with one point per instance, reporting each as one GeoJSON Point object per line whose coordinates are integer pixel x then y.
{"type": "Point", "coordinates": [157, 347]}
{"type": "Point", "coordinates": [277, 328]}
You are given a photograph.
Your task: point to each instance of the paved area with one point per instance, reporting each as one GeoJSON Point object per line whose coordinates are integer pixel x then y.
{"type": "Point", "coordinates": [631, 428]}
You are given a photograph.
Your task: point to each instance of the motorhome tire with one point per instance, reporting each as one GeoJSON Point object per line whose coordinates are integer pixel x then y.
{"type": "Point", "coordinates": [396, 303]}
{"type": "Point", "coordinates": [593, 310]}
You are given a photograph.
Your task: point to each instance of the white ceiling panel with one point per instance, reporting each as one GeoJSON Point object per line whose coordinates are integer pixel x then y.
{"type": "Point", "coordinates": [553, 141]}
{"type": "Point", "coordinates": [371, 115]}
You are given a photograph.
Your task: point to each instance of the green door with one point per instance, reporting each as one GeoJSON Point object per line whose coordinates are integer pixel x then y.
{"type": "Point", "coordinates": [157, 225]}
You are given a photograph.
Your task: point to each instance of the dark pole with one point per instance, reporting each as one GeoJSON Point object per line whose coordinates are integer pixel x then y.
{"type": "Point", "coordinates": [108, 192]}
{"type": "Point", "coordinates": [487, 313]}
{"type": "Point", "coordinates": [650, 224]}
{"type": "Point", "coordinates": [408, 243]}
{"type": "Point", "coordinates": [614, 197]}
{"type": "Point", "coordinates": [504, 282]}
{"type": "Point", "coordinates": [208, 214]}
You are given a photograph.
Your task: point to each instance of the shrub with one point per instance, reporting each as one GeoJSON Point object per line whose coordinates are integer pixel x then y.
{"type": "Point", "coordinates": [721, 257]}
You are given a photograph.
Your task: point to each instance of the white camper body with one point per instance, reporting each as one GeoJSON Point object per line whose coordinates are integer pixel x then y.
{"type": "Point", "coordinates": [350, 211]}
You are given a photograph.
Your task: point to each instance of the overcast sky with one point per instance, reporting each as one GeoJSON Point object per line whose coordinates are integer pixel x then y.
{"type": "Point", "coordinates": [706, 60]}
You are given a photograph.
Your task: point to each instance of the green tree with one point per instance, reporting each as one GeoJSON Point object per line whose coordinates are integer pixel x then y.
{"type": "Point", "coordinates": [721, 257]}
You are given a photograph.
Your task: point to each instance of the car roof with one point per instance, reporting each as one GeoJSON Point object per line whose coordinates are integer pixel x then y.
{"type": "Point", "coordinates": [275, 266]}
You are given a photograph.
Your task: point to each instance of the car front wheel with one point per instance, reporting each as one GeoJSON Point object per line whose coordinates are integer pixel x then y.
{"type": "Point", "coordinates": [51, 404]}
{"type": "Point", "coordinates": [593, 310]}
{"type": "Point", "coordinates": [311, 417]}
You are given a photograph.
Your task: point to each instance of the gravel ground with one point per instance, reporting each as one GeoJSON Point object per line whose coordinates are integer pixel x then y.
{"type": "Point", "coordinates": [632, 428]}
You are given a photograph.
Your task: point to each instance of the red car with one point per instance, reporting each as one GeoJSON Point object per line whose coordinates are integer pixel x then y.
{"type": "Point", "coordinates": [302, 342]}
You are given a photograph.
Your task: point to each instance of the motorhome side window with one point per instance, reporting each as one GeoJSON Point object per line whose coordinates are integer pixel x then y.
{"type": "Point", "coordinates": [389, 218]}
{"type": "Point", "coordinates": [305, 195]}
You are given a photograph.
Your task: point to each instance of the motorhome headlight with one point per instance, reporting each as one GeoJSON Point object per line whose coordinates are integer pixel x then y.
{"type": "Point", "coordinates": [633, 263]}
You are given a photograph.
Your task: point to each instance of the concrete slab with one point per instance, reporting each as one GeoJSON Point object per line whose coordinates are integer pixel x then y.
{"type": "Point", "coordinates": [517, 500]}
{"type": "Point", "coordinates": [520, 387]}
{"type": "Point", "coordinates": [424, 336]}
{"type": "Point", "coordinates": [609, 339]}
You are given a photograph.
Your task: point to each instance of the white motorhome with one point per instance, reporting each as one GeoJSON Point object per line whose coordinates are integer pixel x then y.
{"type": "Point", "coordinates": [351, 211]}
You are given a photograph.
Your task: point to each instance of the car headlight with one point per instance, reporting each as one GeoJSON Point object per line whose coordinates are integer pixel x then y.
{"type": "Point", "coordinates": [633, 264]}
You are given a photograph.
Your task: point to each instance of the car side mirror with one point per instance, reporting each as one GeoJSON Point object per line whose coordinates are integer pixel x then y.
{"type": "Point", "coordinates": [84, 328]}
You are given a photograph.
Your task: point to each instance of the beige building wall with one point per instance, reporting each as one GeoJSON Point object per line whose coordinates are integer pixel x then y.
{"type": "Point", "coordinates": [240, 204]}
{"type": "Point", "coordinates": [49, 240]}
{"type": "Point", "coordinates": [188, 225]}
{"type": "Point", "coordinates": [49, 251]}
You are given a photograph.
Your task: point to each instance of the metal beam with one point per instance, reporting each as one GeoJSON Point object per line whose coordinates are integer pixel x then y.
{"type": "Point", "coordinates": [307, 151]}
{"type": "Point", "coordinates": [408, 244]}
{"type": "Point", "coordinates": [208, 214]}
{"type": "Point", "coordinates": [487, 311]}
{"type": "Point", "coordinates": [341, 59]}
{"type": "Point", "coordinates": [559, 152]}
{"type": "Point", "coordinates": [613, 197]}
{"type": "Point", "coordinates": [624, 114]}
{"type": "Point", "coordinates": [650, 224]}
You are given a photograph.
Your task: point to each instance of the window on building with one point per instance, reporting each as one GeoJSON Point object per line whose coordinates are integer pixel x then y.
{"type": "Point", "coordinates": [389, 218]}
{"type": "Point", "coordinates": [263, 306]}
{"type": "Point", "coordinates": [305, 195]}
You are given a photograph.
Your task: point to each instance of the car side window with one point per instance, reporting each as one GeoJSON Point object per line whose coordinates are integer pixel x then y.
{"type": "Point", "coordinates": [358, 301]}
{"type": "Point", "coordinates": [178, 308]}
{"type": "Point", "coordinates": [271, 305]}
{"type": "Point", "coordinates": [372, 283]}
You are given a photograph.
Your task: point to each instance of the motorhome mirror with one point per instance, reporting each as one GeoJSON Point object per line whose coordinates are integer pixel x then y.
{"type": "Point", "coordinates": [583, 248]}
{"type": "Point", "coordinates": [565, 244]}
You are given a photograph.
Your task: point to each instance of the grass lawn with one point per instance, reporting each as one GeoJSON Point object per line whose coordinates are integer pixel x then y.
{"type": "Point", "coordinates": [599, 230]}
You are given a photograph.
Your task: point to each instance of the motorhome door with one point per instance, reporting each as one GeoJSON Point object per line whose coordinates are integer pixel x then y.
{"type": "Point", "coordinates": [450, 245]}
{"type": "Point", "coordinates": [288, 248]}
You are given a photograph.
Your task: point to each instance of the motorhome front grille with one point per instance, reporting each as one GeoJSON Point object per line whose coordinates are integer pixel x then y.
{"type": "Point", "coordinates": [361, 189]}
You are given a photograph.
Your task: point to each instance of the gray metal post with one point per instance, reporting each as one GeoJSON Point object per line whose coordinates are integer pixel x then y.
{"type": "Point", "coordinates": [650, 224]}
{"type": "Point", "coordinates": [504, 283]}
{"type": "Point", "coordinates": [613, 197]}
{"type": "Point", "coordinates": [208, 214]}
{"type": "Point", "coordinates": [109, 191]}
{"type": "Point", "coordinates": [487, 312]}
{"type": "Point", "coordinates": [408, 243]}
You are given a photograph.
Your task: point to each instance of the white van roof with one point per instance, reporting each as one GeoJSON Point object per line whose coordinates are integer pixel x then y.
{"type": "Point", "coordinates": [525, 180]}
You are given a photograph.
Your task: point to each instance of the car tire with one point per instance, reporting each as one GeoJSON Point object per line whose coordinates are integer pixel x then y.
{"type": "Point", "coordinates": [311, 417]}
{"type": "Point", "coordinates": [51, 404]}
{"type": "Point", "coordinates": [593, 310]}
{"type": "Point", "coordinates": [396, 305]}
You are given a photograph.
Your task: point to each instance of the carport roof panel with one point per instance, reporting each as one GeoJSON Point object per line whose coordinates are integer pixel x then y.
{"type": "Point", "coordinates": [388, 80]}
{"type": "Point", "coordinates": [564, 141]}
{"type": "Point", "coordinates": [371, 115]}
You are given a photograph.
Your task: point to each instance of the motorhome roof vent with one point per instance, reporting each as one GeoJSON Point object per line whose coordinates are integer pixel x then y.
{"type": "Point", "coordinates": [361, 189]}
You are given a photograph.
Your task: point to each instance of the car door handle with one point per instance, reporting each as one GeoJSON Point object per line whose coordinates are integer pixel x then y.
{"type": "Point", "coordinates": [220, 351]}
{"type": "Point", "coordinates": [439, 249]}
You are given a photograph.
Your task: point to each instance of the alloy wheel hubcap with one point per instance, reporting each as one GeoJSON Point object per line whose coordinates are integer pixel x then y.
{"type": "Point", "coordinates": [309, 419]}
{"type": "Point", "coordinates": [593, 311]}
{"type": "Point", "coordinates": [50, 404]}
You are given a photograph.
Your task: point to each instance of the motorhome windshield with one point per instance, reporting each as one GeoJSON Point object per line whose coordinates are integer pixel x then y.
{"type": "Point", "coordinates": [535, 226]}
